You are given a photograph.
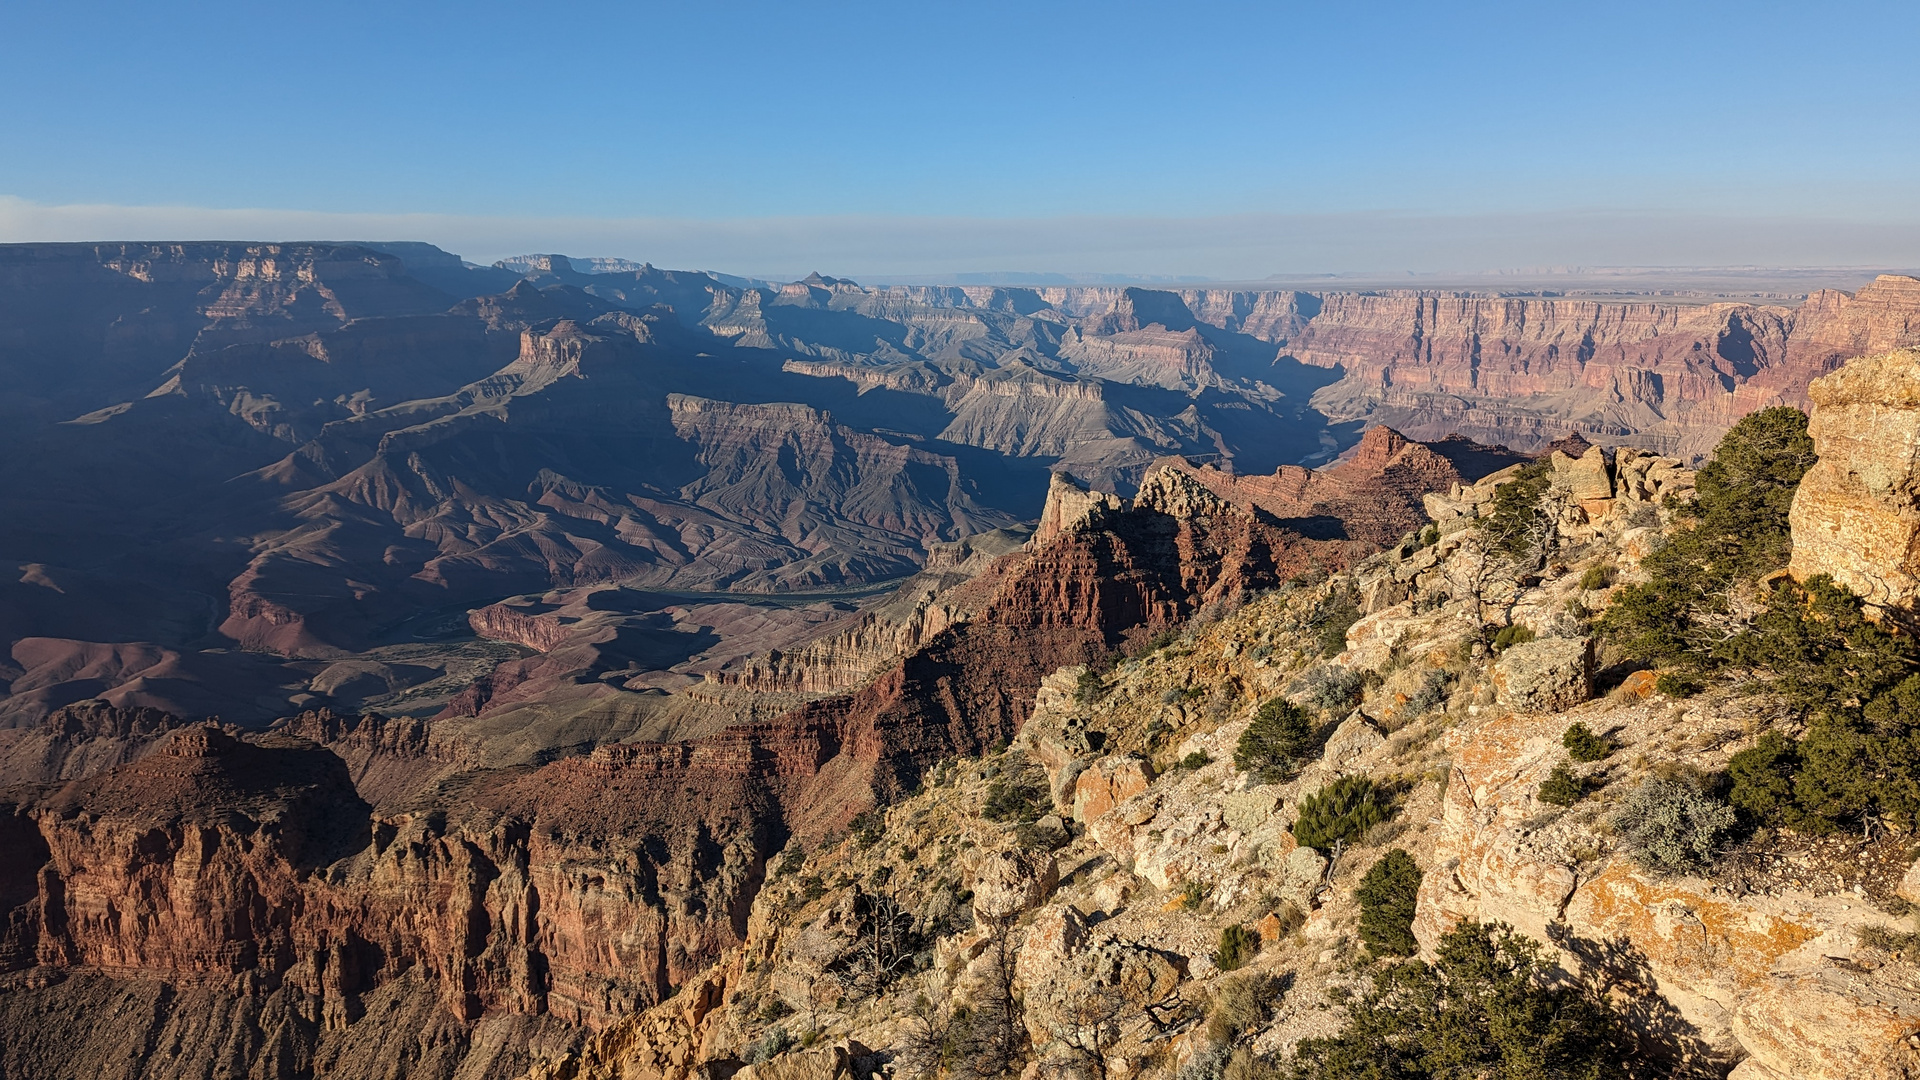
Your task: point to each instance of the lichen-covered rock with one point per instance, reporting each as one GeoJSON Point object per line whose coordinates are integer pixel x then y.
{"type": "Point", "coordinates": [1766, 977]}
{"type": "Point", "coordinates": [1108, 783]}
{"type": "Point", "coordinates": [1250, 809]}
{"type": "Point", "coordinates": [1301, 874]}
{"type": "Point", "coordinates": [1007, 883]}
{"type": "Point", "coordinates": [1856, 515]}
{"type": "Point", "coordinates": [1547, 675]}
{"type": "Point", "coordinates": [1353, 739]}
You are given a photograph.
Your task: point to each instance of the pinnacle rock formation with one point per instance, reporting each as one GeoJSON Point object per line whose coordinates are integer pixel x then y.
{"type": "Point", "coordinates": [1856, 515]}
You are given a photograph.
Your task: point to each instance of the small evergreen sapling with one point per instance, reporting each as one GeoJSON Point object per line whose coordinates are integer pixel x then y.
{"type": "Point", "coordinates": [1583, 745]}
{"type": "Point", "coordinates": [1342, 811]}
{"type": "Point", "coordinates": [1563, 788]}
{"type": "Point", "coordinates": [1388, 896]}
{"type": "Point", "coordinates": [1280, 735]}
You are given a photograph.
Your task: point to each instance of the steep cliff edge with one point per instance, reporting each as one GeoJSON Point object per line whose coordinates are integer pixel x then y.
{"type": "Point", "coordinates": [1856, 516]}
{"type": "Point", "coordinates": [537, 904]}
{"type": "Point", "coordinates": [1143, 893]}
{"type": "Point", "coordinates": [1663, 377]}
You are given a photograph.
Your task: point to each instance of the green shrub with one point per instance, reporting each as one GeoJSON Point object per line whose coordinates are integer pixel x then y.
{"type": "Point", "coordinates": [1279, 736]}
{"type": "Point", "coordinates": [1387, 897]}
{"type": "Point", "coordinates": [1019, 794]}
{"type": "Point", "coordinates": [1597, 577]}
{"type": "Point", "coordinates": [1583, 745]}
{"type": "Point", "coordinates": [1517, 513]}
{"type": "Point", "coordinates": [1853, 764]}
{"type": "Point", "coordinates": [1672, 825]}
{"type": "Point", "coordinates": [1509, 636]}
{"type": "Point", "coordinates": [1089, 687]}
{"type": "Point", "coordinates": [1735, 530]}
{"type": "Point", "coordinates": [1342, 811]}
{"type": "Point", "coordinates": [1851, 676]}
{"type": "Point", "coordinates": [1197, 760]}
{"type": "Point", "coordinates": [1763, 778]}
{"type": "Point", "coordinates": [792, 861]}
{"type": "Point", "coordinates": [1488, 1007]}
{"type": "Point", "coordinates": [1823, 652]}
{"type": "Point", "coordinates": [812, 888]}
{"type": "Point", "coordinates": [868, 829]}
{"type": "Point", "coordinates": [1193, 896]}
{"type": "Point", "coordinates": [1563, 787]}
{"type": "Point", "coordinates": [1333, 624]}
{"type": "Point", "coordinates": [1238, 944]}
{"type": "Point", "coordinates": [1678, 684]}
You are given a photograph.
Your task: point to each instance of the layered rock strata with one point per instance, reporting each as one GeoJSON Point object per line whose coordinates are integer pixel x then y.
{"type": "Point", "coordinates": [586, 890]}
{"type": "Point", "coordinates": [1856, 515]}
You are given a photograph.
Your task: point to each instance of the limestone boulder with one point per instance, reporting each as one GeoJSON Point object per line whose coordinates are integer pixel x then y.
{"type": "Point", "coordinates": [1108, 783]}
{"type": "Point", "coordinates": [1113, 981]}
{"type": "Point", "coordinates": [1007, 883]}
{"type": "Point", "coordinates": [1856, 515]}
{"type": "Point", "coordinates": [1909, 887]}
{"type": "Point", "coordinates": [1355, 738]}
{"type": "Point", "coordinates": [1057, 935]}
{"type": "Point", "coordinates": [1583, 478]}
{"type": "Point", "coordinates": [1547, 675]}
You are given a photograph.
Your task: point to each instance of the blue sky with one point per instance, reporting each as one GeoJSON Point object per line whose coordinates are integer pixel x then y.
{"type": "Point", "coordinates": [1230, 140]}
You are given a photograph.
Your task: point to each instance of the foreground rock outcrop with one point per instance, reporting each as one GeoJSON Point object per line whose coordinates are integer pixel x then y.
{"type": "Point", "coordinates": [1856, 516]}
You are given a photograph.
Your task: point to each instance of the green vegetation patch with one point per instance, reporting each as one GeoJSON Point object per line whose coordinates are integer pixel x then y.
{"type": "Point", "coordinates": [1341, 812]}
{"type": "Point", "coordinates": [1238, 944]}
{"type": "Point", "coordinates": [1487, 1007]}
{"type": "Point", "coordinates": [1564, 787]}
{"type": "Point", "coordinates": [1583, 745]}
{"type": "Point", "coordinates": [1387, 897]}
{"type": "Point", "coordinates": [1279, 738]}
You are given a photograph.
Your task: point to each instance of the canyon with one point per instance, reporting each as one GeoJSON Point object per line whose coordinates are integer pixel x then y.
{"type": "Point", "coordinates": [435, 670]}
{"type": "Point", "coordinates": [325, 885]}
{"type": "Point", "coordinates": [363, 442]}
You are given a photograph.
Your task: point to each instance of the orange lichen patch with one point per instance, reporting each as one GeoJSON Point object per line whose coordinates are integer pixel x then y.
{"type": "Point", "coordinates": [1637, 686]}
{"type": "Point", "coordinates": [1272, 928]}
{"type": "Point", "coordinates": [1495, 752]}
{"type": "Point", "coordinates": [1686, 930]}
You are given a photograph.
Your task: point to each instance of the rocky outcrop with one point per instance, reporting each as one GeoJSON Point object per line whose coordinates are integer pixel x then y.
{"type": "Point", "coordinates": [1765, 980]}
{"type": "Point", "coordinates": [1069, 505]}
{"type": "Point", "coordinates": [1856, 515]}
{"type": "Point", "coordinates": [1549, 675]}
{"type": "Point", "coordinates": [500, 622]}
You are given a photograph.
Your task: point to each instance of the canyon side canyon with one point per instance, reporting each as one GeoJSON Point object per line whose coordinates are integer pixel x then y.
{"type": "Point", "coordinates": [567, 668]}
